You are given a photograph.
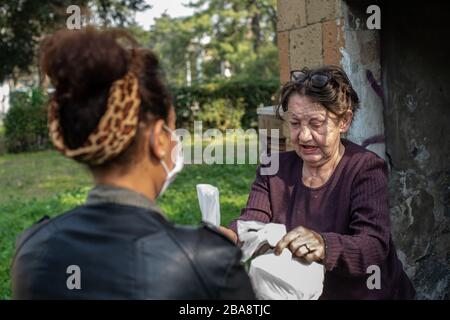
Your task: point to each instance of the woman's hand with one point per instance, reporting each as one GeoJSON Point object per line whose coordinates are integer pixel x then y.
{"type": "Point", "coordinates": [303, 243]}
{"type": "Point", "coordinates": [229, 233]}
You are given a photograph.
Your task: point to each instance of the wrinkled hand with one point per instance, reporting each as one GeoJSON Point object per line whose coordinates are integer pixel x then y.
{"type": "Point", "coordinates": [303, 243]}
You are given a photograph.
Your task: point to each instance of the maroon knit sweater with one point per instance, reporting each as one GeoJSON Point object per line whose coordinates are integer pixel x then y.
{"type": "Point", "coordinates": [350, 211]}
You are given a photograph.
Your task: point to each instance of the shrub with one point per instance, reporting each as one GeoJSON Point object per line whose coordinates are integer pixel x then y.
{"type": "Point", "coordinates": [26, 122]}
{"type": "Point", "coordinates": [235, 98]}
{"type": "Point", "coordinates": [222, 114]}
{"type": "Point", "coordinates": [221, 104]}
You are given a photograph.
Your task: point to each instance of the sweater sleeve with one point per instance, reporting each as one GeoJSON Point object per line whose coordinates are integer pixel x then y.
{"type": "Point", "coordinates": [369, 230]}
{"type": "Point", "coordinates": [258, 205]}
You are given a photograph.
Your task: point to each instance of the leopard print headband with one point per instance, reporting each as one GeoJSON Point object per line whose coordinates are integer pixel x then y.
{"type": "Point", "coordinates": [115, 130]}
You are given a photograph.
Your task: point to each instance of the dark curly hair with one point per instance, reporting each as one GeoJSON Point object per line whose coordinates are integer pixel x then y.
{"type": "Point", "coordinates": [337, 95]}
{"type": "Point", "coordinates": [82, 65]}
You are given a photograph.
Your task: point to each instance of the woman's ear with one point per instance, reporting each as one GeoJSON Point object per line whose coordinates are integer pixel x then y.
{"type": "Point", "coordinates": [158, 141]}
{"type": "Point", "coordinates": [346, 121]}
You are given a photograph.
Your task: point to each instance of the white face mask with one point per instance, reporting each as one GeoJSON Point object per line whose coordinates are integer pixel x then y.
{"type": "Point", "coordinates": [178, 163]}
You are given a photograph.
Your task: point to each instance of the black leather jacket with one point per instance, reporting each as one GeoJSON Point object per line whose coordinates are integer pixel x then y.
{"type": "Point", "coordinates": [125, 249]}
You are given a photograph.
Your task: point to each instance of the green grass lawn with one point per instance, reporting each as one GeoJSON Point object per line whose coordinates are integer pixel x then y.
{"type": "Point", "coordinates": [45, 183]}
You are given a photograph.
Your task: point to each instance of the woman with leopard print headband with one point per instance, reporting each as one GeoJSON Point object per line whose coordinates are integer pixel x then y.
{"type": "Point", "coordinates": [112, 112]}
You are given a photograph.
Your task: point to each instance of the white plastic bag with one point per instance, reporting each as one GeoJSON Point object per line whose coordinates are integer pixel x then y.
{"type": "Point", "coordinates": [277, 277]}
{"type": "Point", "coordinates": [283, 278]}
{"type": "Point", "coordinates": [208, 199]}
{"type": "Point", "coordinates": [254, 234]}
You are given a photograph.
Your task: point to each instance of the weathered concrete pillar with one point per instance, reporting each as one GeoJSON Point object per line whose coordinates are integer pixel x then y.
{"type": "Point", "coordinates": [416, 84]}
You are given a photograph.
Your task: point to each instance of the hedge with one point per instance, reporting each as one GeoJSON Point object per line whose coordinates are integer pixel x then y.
{"type": "Point", "coordinates": [226, 104]}
{"type": "Point", "coordinates": [26, 122]}
{"type": "Point", "coordinates": [229, 97]}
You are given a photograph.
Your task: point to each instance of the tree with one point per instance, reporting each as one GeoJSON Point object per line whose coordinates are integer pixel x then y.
{"type": "Point", "coordinates": [237, 36]}
{"type": "Point", "coordinates": [240, 30]}
{"type": "Point", "coordinates": [170, 38]}
{"type": "Point", "coordinates": [22, 23]}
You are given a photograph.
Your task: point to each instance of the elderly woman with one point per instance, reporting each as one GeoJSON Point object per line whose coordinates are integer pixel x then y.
{"type": "Point", "coordinates": [112, 112]}
{"type": "Point", "coordinates": [330, 193]}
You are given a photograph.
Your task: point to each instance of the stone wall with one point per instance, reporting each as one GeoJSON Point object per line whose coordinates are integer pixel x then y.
{"type": "Point", "coordinates": [310, 34]}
